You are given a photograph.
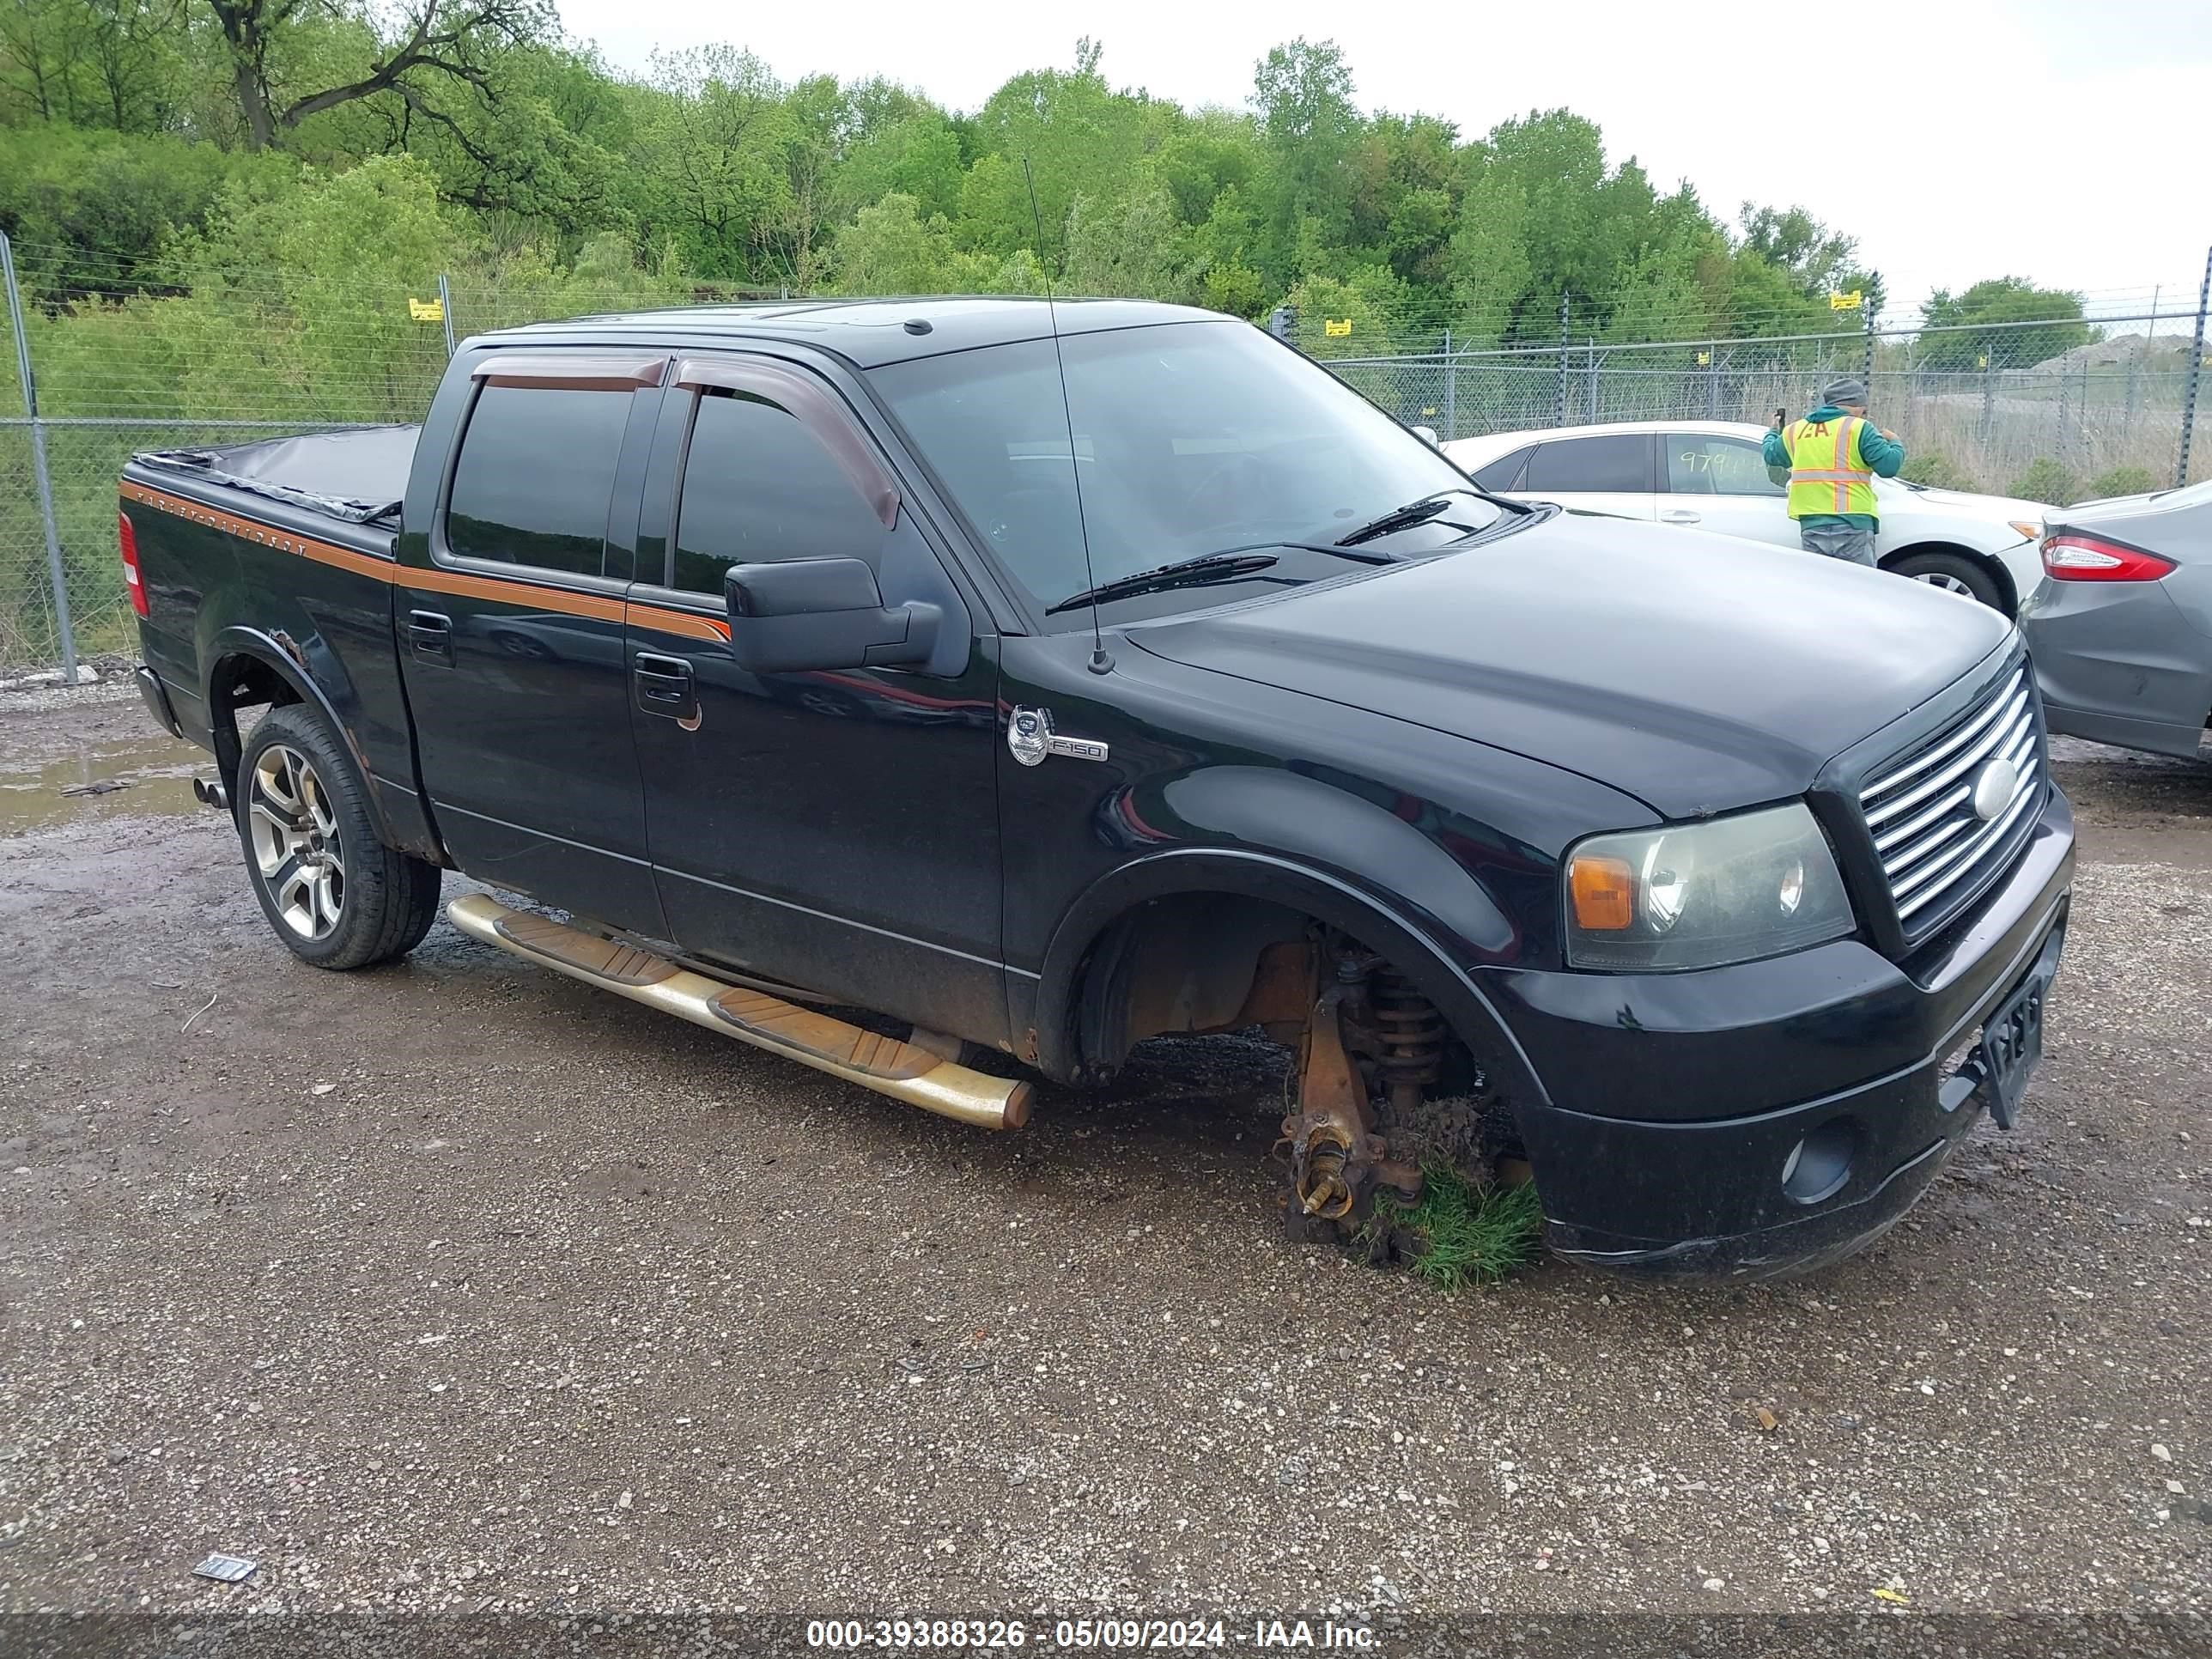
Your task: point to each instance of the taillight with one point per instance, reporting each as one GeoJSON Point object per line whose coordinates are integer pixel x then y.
{"type": "Point", "coordinates": [2086, 559]}
{"type": "Point", "coordinates": [127, 539]}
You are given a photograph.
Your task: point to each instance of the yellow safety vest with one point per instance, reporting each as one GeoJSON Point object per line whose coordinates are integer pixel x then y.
{"type": "Point", "coordinates": [1823, 477]}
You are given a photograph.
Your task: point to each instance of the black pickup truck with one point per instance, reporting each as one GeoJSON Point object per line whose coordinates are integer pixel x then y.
{"type": "Point", "coordinates": [868, 681]}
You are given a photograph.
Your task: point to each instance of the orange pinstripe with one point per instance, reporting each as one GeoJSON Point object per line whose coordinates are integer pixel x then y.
{"type": "Point", "coordinates": [433, 579]}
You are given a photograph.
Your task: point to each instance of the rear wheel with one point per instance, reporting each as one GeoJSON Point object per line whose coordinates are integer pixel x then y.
{"type": "Point", "coordinates": [336, 895]}
{"type": "Point", "coordinates": [1953, 573]}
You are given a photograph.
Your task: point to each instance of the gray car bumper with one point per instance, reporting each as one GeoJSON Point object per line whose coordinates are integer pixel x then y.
{"type": "Point", "coordinates": [2120, 662]}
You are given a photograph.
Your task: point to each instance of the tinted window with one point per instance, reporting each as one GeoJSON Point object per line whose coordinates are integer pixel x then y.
{"type": "Point", "coordinates": [1701, 464]}
{"type": "Point", "coordinates": [536, 473]}
{"type": "Point", "coordinates": [1190, 438]}
{"type": "Point", "coordinates": [758, 487]}
{"type": "Point", "coordinates": [1622, 463]}
{"type": "Point", "coordinates": [1504, 472]}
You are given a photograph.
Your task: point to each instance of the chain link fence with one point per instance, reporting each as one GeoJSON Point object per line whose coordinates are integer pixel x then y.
{"type": "Point", "coordinates": [256, 354]}
{"type": "Point", "coordinates": [1973, 417]}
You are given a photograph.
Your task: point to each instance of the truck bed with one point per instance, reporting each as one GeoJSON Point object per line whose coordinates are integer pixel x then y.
{"type": "Point", "coordinates": [273, 563]}
{"type": "Point", "coordinates": [355, 476]}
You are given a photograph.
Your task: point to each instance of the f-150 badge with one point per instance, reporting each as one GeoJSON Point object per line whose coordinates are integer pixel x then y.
{"type": "Point", "coordinates": [1030, 737]}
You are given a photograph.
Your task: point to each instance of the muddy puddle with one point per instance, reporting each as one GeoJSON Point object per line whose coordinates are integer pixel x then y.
{"type": "Point", "coordinates": [102, 778]}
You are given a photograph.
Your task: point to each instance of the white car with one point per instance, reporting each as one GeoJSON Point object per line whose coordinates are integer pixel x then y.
{"type": "Point", "coordinates": [1710, 474]}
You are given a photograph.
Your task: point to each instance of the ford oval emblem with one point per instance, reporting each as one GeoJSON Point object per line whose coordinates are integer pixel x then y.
{"type": "Point", "coordinates": [1994, 788]}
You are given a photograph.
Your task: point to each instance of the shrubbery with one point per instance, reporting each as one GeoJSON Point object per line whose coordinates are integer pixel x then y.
{"type": "Point", "coordinates": [2045, 480]}
{"type": "Point", "coordinates": [2122, 481]}
{"type": "Point", "coordinates": [1938, 471]}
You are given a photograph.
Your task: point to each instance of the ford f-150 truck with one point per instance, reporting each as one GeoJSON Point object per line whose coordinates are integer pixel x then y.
{"type": "Point", "coordinates": [886, 683]}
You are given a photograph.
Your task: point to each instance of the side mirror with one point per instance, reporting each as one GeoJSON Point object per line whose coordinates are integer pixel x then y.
{"type": "Point", "coordinates": [1427, 434]}
{"type": "Point", "coordinates": [801, 614]}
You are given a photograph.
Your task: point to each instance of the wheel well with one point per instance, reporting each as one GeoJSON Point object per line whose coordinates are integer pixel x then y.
{"type": "Point", "coordinates": [1357, 1028]}
{"type": "Point", "coordinates": [242, 681]}
{"type": "Point", "coordinates": [1994, 567]}
{"type": "Point", "coordinates": [1187, 962]}
{"type": "Point", "coordinates": [1204, 961]}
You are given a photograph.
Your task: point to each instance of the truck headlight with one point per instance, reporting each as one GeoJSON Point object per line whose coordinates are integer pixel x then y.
{"type": "Point", "coordinates": [1702, 895]}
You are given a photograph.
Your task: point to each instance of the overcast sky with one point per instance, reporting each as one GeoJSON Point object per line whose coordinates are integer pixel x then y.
{"type": "Point", "coordinates": [2062, 140]}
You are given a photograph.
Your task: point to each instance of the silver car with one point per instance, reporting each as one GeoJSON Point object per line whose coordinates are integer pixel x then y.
{"type": "Point", "coordinates": [2121, 628]}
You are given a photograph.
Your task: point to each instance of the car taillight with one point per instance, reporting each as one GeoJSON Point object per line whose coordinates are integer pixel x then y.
{"type": "Point", "coordinates": [127, 539]}
{"type": "Point", "coordinates": [2086, 559]}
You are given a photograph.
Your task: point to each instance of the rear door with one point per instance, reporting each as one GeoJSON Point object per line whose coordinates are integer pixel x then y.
{"type": "Point", "coordinates": [836, 830]}
{"type": "Point", "coordinates": [1609, 473]}
{"type": "Point", "coordinates": [1718, 482]}
{"type": "Point", "coordinates": [510, 624]}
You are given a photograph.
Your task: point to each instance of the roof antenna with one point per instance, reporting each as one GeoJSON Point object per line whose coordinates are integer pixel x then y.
{"type": "Point", "coordinates": [1100, 662]}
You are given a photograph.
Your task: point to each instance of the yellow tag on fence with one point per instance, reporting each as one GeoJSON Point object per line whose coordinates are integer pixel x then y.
{"type": "Point", "coordinates": [1850, 301]}
{"type": "Point", "coordinates": [1336, 327]}
{"type": "Point", "coordinates": [1705, 359]}
{"type": "Point", "coordinates": [427, 311]}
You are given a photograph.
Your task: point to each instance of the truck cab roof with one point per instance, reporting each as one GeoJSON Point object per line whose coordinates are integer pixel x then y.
{"type": "Point", "coordinates": [868, 333]}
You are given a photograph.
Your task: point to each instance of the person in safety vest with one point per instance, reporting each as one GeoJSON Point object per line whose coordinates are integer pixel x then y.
{"type": "Point", "coordinates": [1830, 459]}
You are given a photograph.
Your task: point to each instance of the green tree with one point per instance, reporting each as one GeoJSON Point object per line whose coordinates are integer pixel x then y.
{"type": "Point", "coordinates": [1078, 137]}
{"type": "Point", "coordinates": [890, 249]}
{"type": "Point", "coordinates": [289, 60]}
{"type": "Point", "coordinates": [1792, 241]}
{"type": "Point", "coordinates": [1302, 92]}
{"type": "Point", "coordinates": [1133, 248]}
{"type": "Point", "coordinates": [1997, 322]}
{"type": "Point", "coordinates": [714, 148]}
{"type": "Point", "coordinates": [90, 212]}
{"type": "Point", "coordinates": [1370, 301]}
{"type": "Point", "coordinates": [914, 153]}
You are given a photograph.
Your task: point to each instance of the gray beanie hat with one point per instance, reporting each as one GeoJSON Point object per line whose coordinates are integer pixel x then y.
{"type": "Point", "coordinates": [1840, 393]}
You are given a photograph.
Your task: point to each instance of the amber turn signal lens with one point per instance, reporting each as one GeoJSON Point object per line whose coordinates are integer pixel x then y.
{"type": "Point", "coordinates": [1605, 894]}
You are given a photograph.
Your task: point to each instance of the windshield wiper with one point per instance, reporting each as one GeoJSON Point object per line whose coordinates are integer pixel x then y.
{"type": "Point", "coordinates": [1228, 563]}
{"type": "Point", "coordinates": [1183, 572]}
{"type": "Point", "coordinates": [1404, 517]}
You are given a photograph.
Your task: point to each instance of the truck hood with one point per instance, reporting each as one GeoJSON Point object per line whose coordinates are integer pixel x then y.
{"type": "Point", "coordinates": [1696, 678]}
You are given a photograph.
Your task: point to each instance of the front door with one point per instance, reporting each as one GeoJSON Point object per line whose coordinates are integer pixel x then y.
{"type": "Point", "coordinates": [837, 829]}
{"type": "Point", "coordinates": [510, 626]}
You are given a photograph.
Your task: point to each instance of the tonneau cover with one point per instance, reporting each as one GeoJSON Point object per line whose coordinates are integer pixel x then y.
{"type": "Point", "coordinates": [357, 476]}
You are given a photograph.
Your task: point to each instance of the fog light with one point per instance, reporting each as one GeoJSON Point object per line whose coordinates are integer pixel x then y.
{"type": "Point", "coordinates": [1817, 1165]}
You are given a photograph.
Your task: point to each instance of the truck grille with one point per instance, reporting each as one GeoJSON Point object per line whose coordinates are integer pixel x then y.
{"type": "Point", "coordinates": [1936, 852]}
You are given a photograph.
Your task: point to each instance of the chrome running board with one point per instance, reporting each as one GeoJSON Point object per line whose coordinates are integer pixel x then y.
{"type": "Point", "coordinates": [905, 1070]}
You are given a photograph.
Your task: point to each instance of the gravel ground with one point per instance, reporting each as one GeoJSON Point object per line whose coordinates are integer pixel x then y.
{"type": "Point", "coordinates": [458, 1285]}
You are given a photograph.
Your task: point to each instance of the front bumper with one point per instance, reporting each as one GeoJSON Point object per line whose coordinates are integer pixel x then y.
{"type": "Point", "coordinates": [1674, 1101]}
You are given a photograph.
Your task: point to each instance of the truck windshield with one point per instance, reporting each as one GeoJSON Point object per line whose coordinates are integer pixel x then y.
{"type": "Point", "coordinates": [1190, 437]}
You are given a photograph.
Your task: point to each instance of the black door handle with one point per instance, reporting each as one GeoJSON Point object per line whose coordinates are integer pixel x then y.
{"type": "Point", "coordinates": [665, 686]}
{"type": "Point", "coordinates": [430, 635]}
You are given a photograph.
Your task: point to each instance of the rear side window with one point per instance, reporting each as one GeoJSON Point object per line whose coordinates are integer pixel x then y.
{"type": "Point", "coordinates": [1504, 472]}
{"type": "Point", "coordinates": [536, 474]}
{"type": "Point", "coordinates": [759, 487]}
{"type": "Point", "coordinates": [1615, 464]}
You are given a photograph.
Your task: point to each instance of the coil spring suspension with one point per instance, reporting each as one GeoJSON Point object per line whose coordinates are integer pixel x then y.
{"type": "Point", "coordinates": [1412, 1033]}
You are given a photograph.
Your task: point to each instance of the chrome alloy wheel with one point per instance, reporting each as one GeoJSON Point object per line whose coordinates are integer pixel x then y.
{"type": "Point", "coordinates": [1948, 584]}
{"type": "Point", "coordinates": [295, 841]}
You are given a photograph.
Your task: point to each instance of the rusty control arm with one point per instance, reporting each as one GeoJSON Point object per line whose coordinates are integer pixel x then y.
{"type": "Point", "coordinates": [1336, 1156]}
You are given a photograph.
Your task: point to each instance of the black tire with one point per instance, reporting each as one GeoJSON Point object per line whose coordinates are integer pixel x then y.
{"type": "Point", "coordinates": [338, 896]}
{"type": "Point", "coordinates": [1954, 572]}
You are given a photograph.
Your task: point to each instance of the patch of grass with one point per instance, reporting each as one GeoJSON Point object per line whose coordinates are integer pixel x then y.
{"type": "Point", "coordinates": [1469, 1235]}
